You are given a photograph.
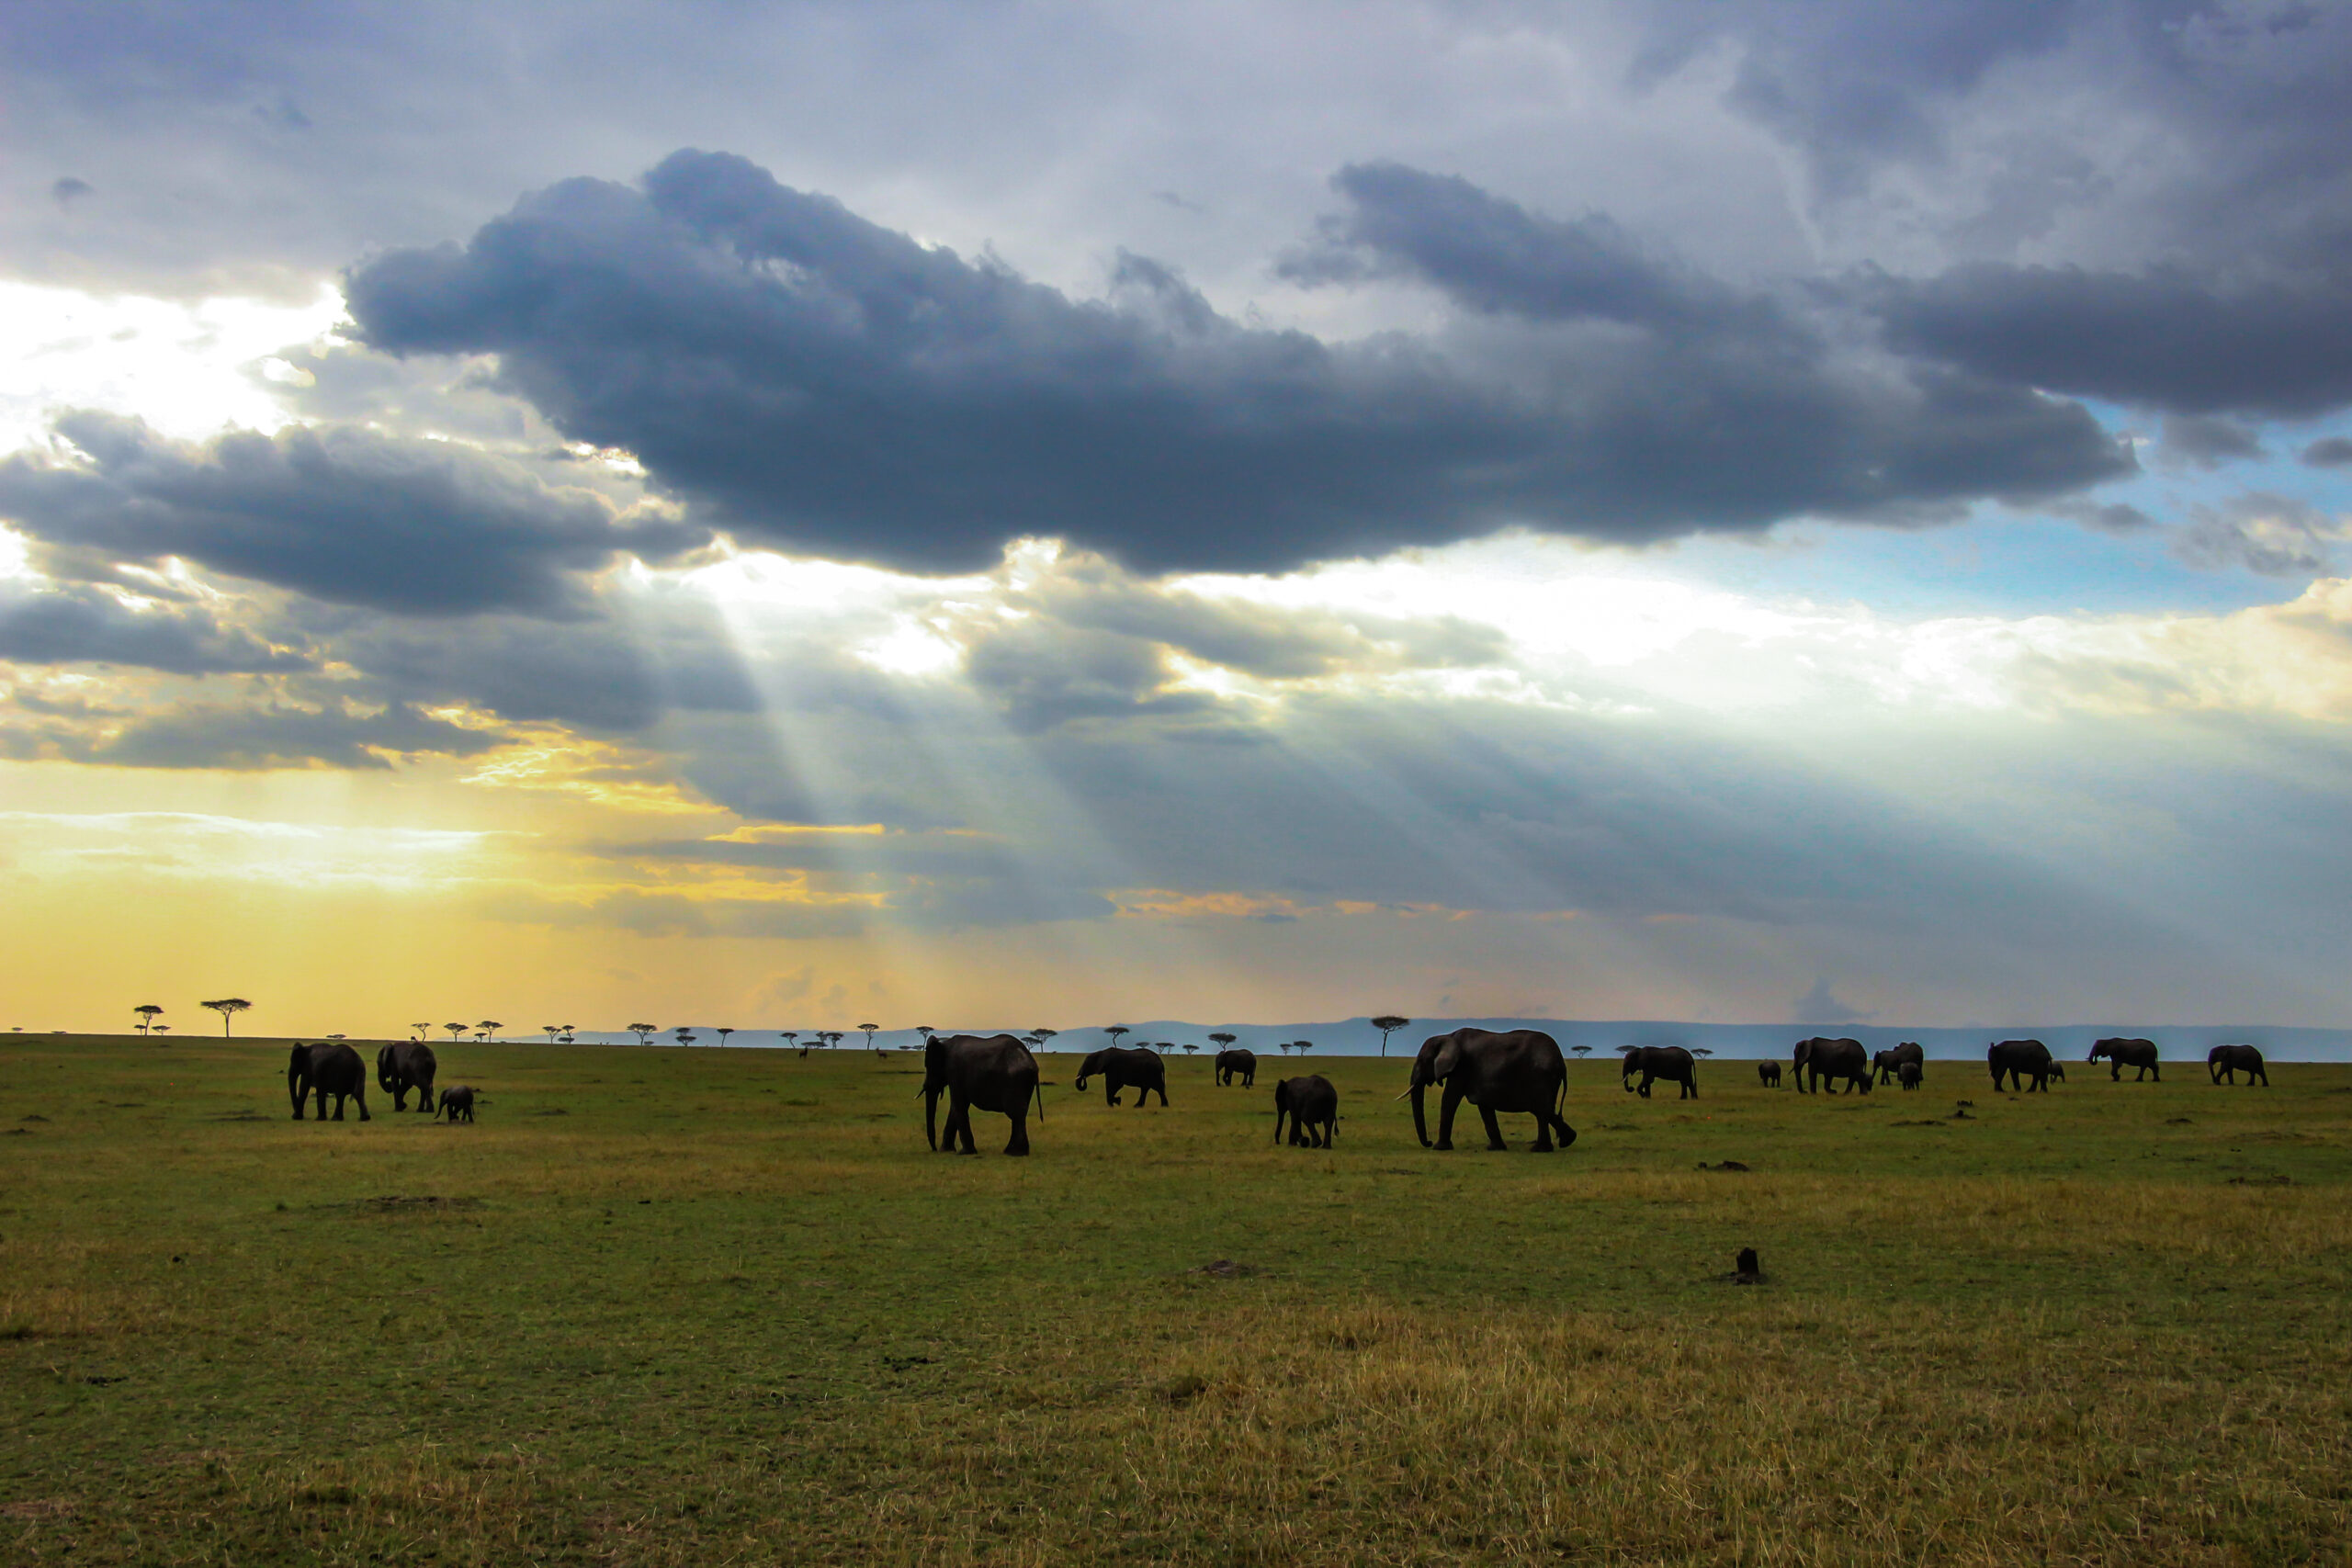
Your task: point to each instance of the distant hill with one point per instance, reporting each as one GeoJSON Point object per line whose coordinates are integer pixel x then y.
{"type": "Point", "coordinates": [1356, 1037]}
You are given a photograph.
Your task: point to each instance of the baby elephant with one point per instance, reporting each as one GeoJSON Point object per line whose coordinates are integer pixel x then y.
{"type": "Point", "coordinates": [1313, 1107]}
{"type": "Point", "coordinates": [1908, 1075]}
{"type": "Point", "coordinates": [457, 1102]}
{"type": "Point", "coordinates": [1769, 1074]}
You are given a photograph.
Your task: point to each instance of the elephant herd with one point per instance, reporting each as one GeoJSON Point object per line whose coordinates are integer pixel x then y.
{"type": "Point", "coordinates": [331, 1069]}
{"type": "Point", "coordinates": [2025, 1066]}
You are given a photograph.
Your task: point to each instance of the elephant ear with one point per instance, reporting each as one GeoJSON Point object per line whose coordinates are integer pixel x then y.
{"type": "Point", "coordinates": [1449, 1056]}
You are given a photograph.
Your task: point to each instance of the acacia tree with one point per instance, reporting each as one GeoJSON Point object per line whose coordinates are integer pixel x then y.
{"type": "Point", "coordinates": [227, 1008]}
{"type": "Point", "coordinates": [642, 1031]}
{"type": "Point", "coordinates": [1222, 1041]}
{"type": "Point", "coordinates": [1284, 1047]}
{"type": "Point", "coordinates": [1189, 1047]}
{"type": "Point", "coordinates": [551, 1031]}
{"type": "Point", "coordinates": [421, 1030]}
{"type": "Point", "coordinates": [146, 1012]}
{"type": "Point", "coordinates": [1303, 1046]}
{"type": "Point", "coordinates": [685, 1036]}
{"type": "Point", "coordinates": [831, 1037]}
{"type": "Point", "coordinates": [1042, 1035]}
{"type": "Point", "coordinates": [867, 1030]}
{"type": "Point", "coordinates": [1388, 1023]}
{"type": "Point", "coordinates": [163, 1029]}
{"type": "Point", "coordinates": [790, 1037]}
{"type": "Point", "coordinates": [1580, 1050]}
{"type": "Point", "coordinates": [489, 1026]}
{"type": "Point", "coordinates": [722, 1034]}
{"type": "Point", "coordinates": [1115, 1031]}
{"type": "Point", "coordinates": [567, 1034]}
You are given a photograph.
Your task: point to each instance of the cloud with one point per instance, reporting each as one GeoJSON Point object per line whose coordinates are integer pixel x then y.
{"type": "Point", "coordinates": [342, 514]}
{"type": "Point", "coordinates": [813, 380]}
{"type": "Point", "coordinates": [2329, 451]}
{"type": "Point", "coordinates": [1820, 1005]}
{"type": "Point", "coordinates": [272, 736]}
{"type": "Point", "coordinates": [2272, 536]}
{"type": "Point", "coordinates": [68, 190]}
{"type": "Point", "coordinates": [2204, 441]}
{"type": "Point", "coordinates": [83, 626]}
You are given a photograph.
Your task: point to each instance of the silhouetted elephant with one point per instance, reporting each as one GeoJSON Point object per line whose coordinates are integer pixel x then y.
{"type": "Point", "coordinates": [1671, 1063]}
{"type": "Point", "coordinates": [1822, 1059]}
{"type": "Point", "coordinates": [2018, 1060]}
{"type": "Point", "coordinates": [330, 1068]}
{"type": "Point", "coordinates": [1888, 1064]}
{"type": "Point", "coordinates": [1909, 1074]}
{"type": "Point", "coordinates": [2121, 1054]}
{"type": "Point", "coordinates": [2057, 1070]}
{"type": "Point", "coordinates": [458, 1103]}
{"type": "Point", "coordinates": [993, 1072]}
{"type": "Point", "coordinates": [1120, 1066]}
{"type": "Point", "coordinates": [406, 1065]}
{"type": "Point", "coordinates": [1239, 1064]}
{"type": "Point", "coordinates": [1313, 1107]}
{"type": "Point", "coordinates": [2224, 1063]}
{"type": "Point", "coordinates": [1521, 1072]}
{"type": "Point", "coordinates": [1769, 1074]}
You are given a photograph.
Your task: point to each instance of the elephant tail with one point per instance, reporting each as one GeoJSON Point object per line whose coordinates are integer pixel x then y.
{"type": "Point", "coordinates": [1038, 1088]}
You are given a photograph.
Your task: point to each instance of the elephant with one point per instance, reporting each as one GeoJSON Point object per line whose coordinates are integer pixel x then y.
{"type": "Point", "coordinates": [1671, 1063]}
{"type": "Point", "coordinates": [2225, 1062]}
{"type": "Point", "coordinates": [1822, 1059]}
{"type": "Point", "coordinates": [458, 1103]}
{"type": "Point", "coordinates": [1120, 1066]}
{"type": "Point", "coordinates": [330, 1068]}
{"type": "Point", "coordinates": [1888, 1064]}
{"type": "Point", "coordinates": [407, 1064]}
{"type": "Point", "coordinates": [1239, 1064]}
{"type": "Point", "coordinates": [2018, 1060]}
{"type": "Point", "coordinates": [1769, 1074]}
{"type": "Point", "coordinates": [1909, 1074]}
{"type": "Point", "coordinates": [994, 1072]}
{"type": "Point", "coordinates": [1313, 1107]}
{"type": "Point", "coordinates": [2121, 1054]}
{"type": "Point", "coordinates": [2057, 1070]}
{"type": "Point", "coordinates": [1521, 1072]}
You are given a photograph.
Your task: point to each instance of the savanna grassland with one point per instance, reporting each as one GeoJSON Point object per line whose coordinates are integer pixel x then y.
{"type": "Point", "coordinates": [703, 1308]}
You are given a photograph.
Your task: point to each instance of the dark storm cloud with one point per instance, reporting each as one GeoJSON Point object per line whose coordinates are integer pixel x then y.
{"type": "Point", "coordinates": [2204, 441]}
{"type": "Point", "coordinates": [816, 381]}
{"type": "Point", "coordinates": [2329, 451]}
{"type": "Point", "coordinates": [278, 736]}
{"type": "Point", "coordinates": [82, 625]}
{"type": "Point", "coordinates": [342, 514]}
{"type": "Point", "coordinates": [2164, 337]}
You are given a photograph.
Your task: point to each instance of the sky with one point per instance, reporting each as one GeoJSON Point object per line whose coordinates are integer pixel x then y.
{"type": "Point", "coordinates": [795, 515]}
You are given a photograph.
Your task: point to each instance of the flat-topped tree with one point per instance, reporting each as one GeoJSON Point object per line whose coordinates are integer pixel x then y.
{"type": "Point", "coordinates": [1042, 1035]}
{"type": "Point", "coordinates": [1189, 1047]}
{"type": "Point", "coordinates": [791, 1037]}
{"type": "Point", "coordinates": [722, 1034]}
{"type": "Point", "coordinates": [685, 1036]}
{"type": "Point", "coordinates": [489, 1026]}
{"type": "Point", "coordinates": [1580, 1050]}
{"type": "Point", "coordinates": [1303, 1045]}
{"type": "Point", "coordinates": [146, 1012]}
{"type": "Point", "coordinates": [867, 1030]}
{"type": "Point", "coordinates": [1116, 1029]}
{"type": "Point", "coordinates": [421, 1030]}
{"type": "Point", "coordinates": [551, 1031]}
{"type": "Point", "coordinates": [1223, 1042]}
{"type": "Point", "coordinates": [227, 1008]}
{"type": "Point", "coordinates": [1388, 1023]}
{"type": "Point", "coordinates": [643, 1032]}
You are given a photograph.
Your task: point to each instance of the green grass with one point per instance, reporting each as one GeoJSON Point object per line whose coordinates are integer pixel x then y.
{"type": "Point", "coordinates": [708, 1307]}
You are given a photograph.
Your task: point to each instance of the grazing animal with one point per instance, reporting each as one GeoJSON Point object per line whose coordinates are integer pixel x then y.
{"type": "Point", "coordinates": [2018, 1060]}
{"type": "Point", "coordinates": [2225, 1062]}
{"type": "Point", "coordinates": [1520, 1071]}
{"type": "Point", "coordinates": [1236, 1063]}
{"type": "Point", "coordinates": [2121, 1054]}
{"type": "Point", "coordinates": [1888, 1064]}
{"type": "Point", "coordinates": [992, 1072]}
{"type": "Point", "coordinates": [1769, 1074]}
{"type": "Point", "coordinates": [1119, 1065]}
{"type": "Point", "coordinates": [330, 1068]}
{"type": "Point", "coordinates": [1909, 1074]}
{"type": "Point", "coordinates": [1825, 1060]}
{"type": "Point", "coordinates": [406, 1065]}
{"type": "Point", "coordinates": [1313, 1107]}
{"type": "Point", "coordinates": [2057, 1070]}
{"type": "Point", "coordinates": [1671, 1063]}
{"type": "Point", "coordinates": [458, 1103]}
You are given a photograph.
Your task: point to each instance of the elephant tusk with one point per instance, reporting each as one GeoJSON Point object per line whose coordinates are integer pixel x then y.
{"type": "Point", "coordinates": [1406, 1095]}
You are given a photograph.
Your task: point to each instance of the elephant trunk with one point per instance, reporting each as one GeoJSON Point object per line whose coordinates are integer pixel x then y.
{"type": "Point", "coordinates": [1420, 1120]}
{"type": "Point", "coordinates": [930, 1115]}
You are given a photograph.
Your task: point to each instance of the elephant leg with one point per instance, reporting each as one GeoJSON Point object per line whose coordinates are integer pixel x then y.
{"type": "Point", "coordinates": [964, 1128]}
{"type": "Point", "coordinates": [1019, 1145]}
{"type": "Point", "coordinates": [1494, 1129]}
{"type": "Point", "coordinates": [300, 1095]}
{"type": "Point", "coordinates": [1542, 1144]}
{"type": "Point", "coordinates": [1163, 1097]}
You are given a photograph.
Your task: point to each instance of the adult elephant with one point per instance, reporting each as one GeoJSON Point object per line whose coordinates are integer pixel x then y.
{"type": "Point", "coordinates": [1521, 1071]}
{"type": "Point", "coordinates": [1769, 1074]}
{"type": "Point", "coordinates": [2225, 1062]}
{"type": "Point", "coordinates": [330, 1068]}
{"type": "Point", "coordinates": [2018, 1060]}
{"type": "Point", "coordinates": [987, 1072]}
{"type": "Point", "coordinates": [1313, 1107]}
{"type": "Point", "coordinates": [1237, 1064]}
{"type": "Point", "coordinates": [1888, 1064]}
{"type": "Point", "coordinates": [2120, 1053]}
{"type": "Point", "coordinates": [1825, 1060]}
{"type": "Point", "coordinates": [406, 1065]}
{"type": "Point", "coordinates": [1120, 1066]}
{"type": "Point", "coordinates": [1671, 1063]}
